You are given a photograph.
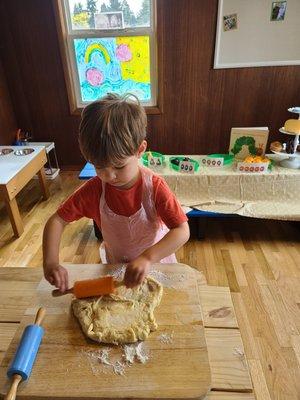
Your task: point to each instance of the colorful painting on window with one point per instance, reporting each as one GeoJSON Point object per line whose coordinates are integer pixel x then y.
{"type": "Point", "coordinates": [119, 65]}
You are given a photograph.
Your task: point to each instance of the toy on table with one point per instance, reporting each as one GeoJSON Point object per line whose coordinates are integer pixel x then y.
{"type": "Point", "coordinates": [217, 160]}
{"type": "Point", "coordinates": [257, 164]}
{"type": "Point", "coordinates": [291, 127]}
{"type": "Point", "coordinates": [184, 164]}
{"type": "Point", "coordinates": [21, 138]}
{"type": "Point", "coordinates": [276, 146]}
{"type": "Point", "coordinates": [89, 288]}
{"type": "Point", "coordinates": [291, 146]}
{"type": "Point", "coordinates": [21, 366]}
{"type": "Point", "coordinates": [153, 159]}
{"type": "Point", "coordinates": [256, 159]}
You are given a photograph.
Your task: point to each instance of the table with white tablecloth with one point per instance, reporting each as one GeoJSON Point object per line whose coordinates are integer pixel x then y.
{"type": "Point", "coordinates": [271, 195]}
{"type": "Point", "coordinates": [274, 194]}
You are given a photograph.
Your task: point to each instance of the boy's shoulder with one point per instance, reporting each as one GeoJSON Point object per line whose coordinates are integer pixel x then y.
{"type": "Point", "coordinates": [157, 179]}
{"type": "Point", "coordinates": [159, 182]}
{"type": "Point", "coordinates": [94, 183]}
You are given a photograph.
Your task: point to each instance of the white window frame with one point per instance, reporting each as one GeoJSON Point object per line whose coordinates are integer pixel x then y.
{"type": "Point", "coordinates": [67, 34]}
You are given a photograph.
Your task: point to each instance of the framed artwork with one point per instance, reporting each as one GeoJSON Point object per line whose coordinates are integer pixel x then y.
{"type": "Point", "coordinates": [278, 10]}
{"type": "Point", "coordinates": [109, 20]}
{"type": "Point", "coordinates": [229, 22]}
{"type": "Point", "coordinates": [248, 141]}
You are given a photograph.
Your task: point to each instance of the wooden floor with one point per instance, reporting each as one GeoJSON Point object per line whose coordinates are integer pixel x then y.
{"type": "Point", "coordinates": [259, 261]}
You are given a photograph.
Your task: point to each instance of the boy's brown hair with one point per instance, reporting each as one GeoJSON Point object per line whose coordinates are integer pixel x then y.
{"type": "Point", "coordinates": [111, 129]}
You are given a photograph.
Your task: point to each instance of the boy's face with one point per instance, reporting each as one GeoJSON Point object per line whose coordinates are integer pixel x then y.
{"type": "Point", "coordinates": [124, 174]}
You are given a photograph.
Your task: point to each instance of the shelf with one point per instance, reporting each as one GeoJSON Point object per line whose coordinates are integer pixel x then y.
{"type": "Point", "coordinates": [55, 172]}
{"type": "Point", "coordinates": [282, 130]}
{"type": "Point", "coordinates": [284, 153]}
{"type": "Point", "coordinates": [295, 110]}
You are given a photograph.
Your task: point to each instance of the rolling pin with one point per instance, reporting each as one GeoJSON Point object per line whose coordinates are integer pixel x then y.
{"type": "Point", "coordinates": [21, 366]}
{"type": "Point", "coordinates": [89, 288]}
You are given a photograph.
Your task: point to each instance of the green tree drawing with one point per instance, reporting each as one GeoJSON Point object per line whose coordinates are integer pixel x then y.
{"type": "Point", "coordinates": [92, 9]}
{"type": "Point", "coordinates": [77, 8]}
{"type": "Point", "coordinates": [143, 17]}
{"type": "Point", "coordinates": [129, 17]}
{"type": "Point", "coordinates": [103, 8]}
{"type": "Point", "coordinates": [114, 5]}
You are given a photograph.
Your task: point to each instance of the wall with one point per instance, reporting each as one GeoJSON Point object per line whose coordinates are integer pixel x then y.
{"type": "Point", "coordinates": [8, 124]}
{"type": "Point", "coordinates": [200, 104]}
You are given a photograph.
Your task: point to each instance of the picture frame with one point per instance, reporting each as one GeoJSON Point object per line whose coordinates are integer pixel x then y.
{"type": "Point", "coordinates": [278, 10]}
{"type": "Point", "coordinates": [248, 141]}
{"type": "Point", "coordinates": [109, 20]}
{"type": "Point", "coordinates": [229, 22]}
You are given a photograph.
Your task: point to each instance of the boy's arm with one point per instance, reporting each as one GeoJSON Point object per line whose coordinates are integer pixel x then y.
{"type": "Point", "coordinates": [54, 273]}
{"type": "Point", "coordinates": [172, 241]}
{"type": "Point", "coordinates": [84, 202]}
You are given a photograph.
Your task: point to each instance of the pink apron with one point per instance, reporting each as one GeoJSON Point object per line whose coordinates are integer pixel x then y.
{"type": "Point", "coordinates": [125, 238]}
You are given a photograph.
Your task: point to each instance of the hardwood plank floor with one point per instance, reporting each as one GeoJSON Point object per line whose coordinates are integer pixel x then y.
{"type": "Point", "coordinates": [258, 260]}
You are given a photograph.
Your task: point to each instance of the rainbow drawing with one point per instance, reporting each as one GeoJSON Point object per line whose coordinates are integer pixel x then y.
{"type": "Point", "coordinates": [96, 47]}
{"type": "Point", "coordinates": [113, 65]}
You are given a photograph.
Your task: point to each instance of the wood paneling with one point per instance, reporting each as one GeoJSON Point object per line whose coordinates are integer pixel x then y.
{"type": "Point", "coordinates": [8, 124]}
{"type": "Point", "coordinates": [200, 104]}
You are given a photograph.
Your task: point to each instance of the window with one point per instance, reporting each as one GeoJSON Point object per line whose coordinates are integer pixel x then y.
{"type": "Point", "coordinates": [108, 46]}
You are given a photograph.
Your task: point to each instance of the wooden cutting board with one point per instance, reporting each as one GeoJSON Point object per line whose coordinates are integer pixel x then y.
{"type": "Point", "coordinates": [67, 367]}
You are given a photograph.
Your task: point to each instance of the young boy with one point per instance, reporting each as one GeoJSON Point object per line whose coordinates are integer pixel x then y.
{"type": "Point", "coordinates": [139, 217]}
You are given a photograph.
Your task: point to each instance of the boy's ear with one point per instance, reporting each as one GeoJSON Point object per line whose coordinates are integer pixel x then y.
{"type": "Point", "coordinates": [142, 148]}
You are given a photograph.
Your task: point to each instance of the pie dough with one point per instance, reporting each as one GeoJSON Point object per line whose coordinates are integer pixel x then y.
{"type": "Point", "coordinates": [124, 317]}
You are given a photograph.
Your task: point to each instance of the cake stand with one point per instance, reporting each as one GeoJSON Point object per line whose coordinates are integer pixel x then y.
{"type": "Point", "coordinates": [293, 160]}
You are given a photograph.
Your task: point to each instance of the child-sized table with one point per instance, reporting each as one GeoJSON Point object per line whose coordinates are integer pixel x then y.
{"type": "Point", "coordinates": [19, 164]}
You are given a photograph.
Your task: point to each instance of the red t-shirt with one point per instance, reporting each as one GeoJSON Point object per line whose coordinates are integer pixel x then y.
{"type": "Point", "coordinates": [85, 202]}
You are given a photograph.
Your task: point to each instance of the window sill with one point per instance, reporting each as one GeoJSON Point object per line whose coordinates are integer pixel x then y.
{"type": "Point", "coordinates": [150, 110]}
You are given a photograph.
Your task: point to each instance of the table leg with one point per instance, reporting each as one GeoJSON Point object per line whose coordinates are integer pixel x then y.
{"type": "Point", "coordinates": [49, 163]}
{"type": "Point", "coordinates": [44, 186]}
{"type": "Point", "coordinates": [201, 227]}
{"type": "Point", "coordinates": [14, 215]}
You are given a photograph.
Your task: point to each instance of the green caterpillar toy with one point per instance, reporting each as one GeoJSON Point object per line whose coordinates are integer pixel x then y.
{"type": "Point", "coordinates": [244, 141]}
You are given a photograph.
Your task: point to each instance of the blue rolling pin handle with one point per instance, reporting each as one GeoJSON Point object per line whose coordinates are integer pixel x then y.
{"type": "Point", "coordinates": [26, 353]}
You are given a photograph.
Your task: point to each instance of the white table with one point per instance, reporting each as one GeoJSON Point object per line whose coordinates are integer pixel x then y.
{"type": "Point", "coordinates": [15, 172]}
{"type": "Point", "coordinates": [51, 172]}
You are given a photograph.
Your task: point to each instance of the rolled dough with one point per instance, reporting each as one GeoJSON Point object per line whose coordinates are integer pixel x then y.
{"type": "Point", "coordinates": [124, 317]}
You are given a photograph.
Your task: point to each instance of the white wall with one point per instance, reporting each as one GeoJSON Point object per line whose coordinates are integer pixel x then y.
{"type": "Point", "coordinates": [257, 40]}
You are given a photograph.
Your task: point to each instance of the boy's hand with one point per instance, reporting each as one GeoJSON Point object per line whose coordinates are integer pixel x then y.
{"type": "Point", "coordinates": [136, 271]}
{"type": "Point", "coordinates": [57, 276]}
